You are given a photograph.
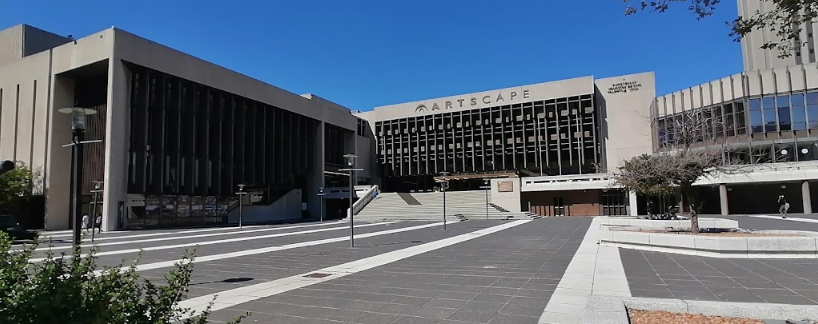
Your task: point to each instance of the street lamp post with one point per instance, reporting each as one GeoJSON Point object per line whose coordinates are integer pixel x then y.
{"type": "Point", "coordinates": [96, 191]}
{"type": "Point", "coordinates": [241, 194]}
{"type": "Point", "coordinates": [79, 124]}
{"type": "Point", "coordinates": [444, 185]}
{"type": "Point", "coordinates": [321, 194]}
{"type": "Point", "coordinates": [351, 168]}
{"type": "Point", "coordinates": [487, 186]}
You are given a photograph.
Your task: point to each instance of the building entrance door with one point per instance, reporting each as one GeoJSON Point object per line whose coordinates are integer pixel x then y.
{"type": "Point", "coordinates": [559, 206]}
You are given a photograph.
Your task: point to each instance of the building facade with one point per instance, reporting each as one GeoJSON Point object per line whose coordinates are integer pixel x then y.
{"type": "Point", "coordinates": [757, 58]}
{"type": "Point", "coordinates": [575, 127]}
{"type": "Point", "coordinates": [178, 134]}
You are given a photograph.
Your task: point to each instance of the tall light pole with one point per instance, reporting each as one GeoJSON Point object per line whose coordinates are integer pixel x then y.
{"type": "Point", "coordinates": [241, 194]}
{"type": "Point", "coordinates": [351, 168]}
{"type": "Point", "coordinates": [96, 191]}
{"type": "Point", "coordinates": [444, 185]}
{"type": "Point", "coordinates": [321, 194]}
{"type": "Point", "coordinates": [79, 124]}
{"type": "Point", "coordinates": [487, 186]}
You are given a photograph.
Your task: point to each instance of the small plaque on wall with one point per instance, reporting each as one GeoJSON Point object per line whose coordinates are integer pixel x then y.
{"type": "Point", "coordinates": [505, 186]}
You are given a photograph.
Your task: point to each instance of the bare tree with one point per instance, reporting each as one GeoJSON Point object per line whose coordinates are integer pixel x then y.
{"type": "Point", "coordinates": [785, 19]}
{"type": "Point", "coordinates": [681, 161]}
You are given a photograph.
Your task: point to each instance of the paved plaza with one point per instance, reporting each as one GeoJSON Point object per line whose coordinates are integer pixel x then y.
{"type": "Point", "coordinates": [525, 271]}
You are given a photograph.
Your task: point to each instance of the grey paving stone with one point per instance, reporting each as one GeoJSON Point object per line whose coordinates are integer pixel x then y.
{"type": "Point", "coordinates": [522, 310]}
{"type": "Point", "coordinates": [376, 318]}
{"type": "Point", "coordinates": [432, 313]}
{"type": "Point", "coordinates": [414, 320]}
{"type": "Point", "coordinates": [458, 295]}
{"type": "Point", "coordinates": [652, 293]}
{"type": "Point", "coordinates": [490, 298]}
{"type": "Point", "coordinates": [397, 309]}
{"type": "Point", "coordinates": [513, 319]}
{"type": "Point", "coordinates": [738, 280]}
{"type": "Point", "coordinates": [473, 315]}
{"type": "Point", "coordinates": [446, 303]}
{"type": "Point", "coordinates": [408, 300]}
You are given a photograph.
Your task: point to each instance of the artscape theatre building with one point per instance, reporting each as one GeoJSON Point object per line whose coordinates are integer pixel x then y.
{"type": "Point", "coordinates": [178, 135]}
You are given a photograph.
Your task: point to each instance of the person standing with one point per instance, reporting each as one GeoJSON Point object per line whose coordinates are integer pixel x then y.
{"type": "Point", "coordinates": [86, 222]}
{"type": "Point", "coordinates": [783, 206]}
{"type": "Point", "coordinates": [98, 223]}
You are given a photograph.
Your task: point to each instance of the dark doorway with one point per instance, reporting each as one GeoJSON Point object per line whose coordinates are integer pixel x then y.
{"type": "Point", "coordinates": [559, 206]}
{"type": "Point", "coordinates": [763, 198]}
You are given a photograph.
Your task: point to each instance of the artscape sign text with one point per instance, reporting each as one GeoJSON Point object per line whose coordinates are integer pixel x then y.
{"type": "Point", "coordinates": [499, 98]}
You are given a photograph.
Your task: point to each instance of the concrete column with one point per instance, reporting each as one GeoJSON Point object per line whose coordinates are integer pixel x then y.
{"type": "Point", "coordinates": [723, 199]}
{"type": "Point", "coordinates": [633, 209]}
{"type": "Point", "coordinates": [57, 174]}
{"type": "Point", "coordinates": [116, 144]}
{"type": "Point", "coordinates": [806, 197]}
{"type": "Point", "coordinates": [316, 176]}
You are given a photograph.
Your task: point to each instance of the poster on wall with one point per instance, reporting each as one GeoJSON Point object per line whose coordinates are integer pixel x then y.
{"type": "Point", "coordinates": [197, 206]}
{"type": "Point", "coordinates": [152, 207]}
{"type": "Point", "coordinates": [505, 186]}
{"type": "Point", "coordinates": [210, 206]}
{"type": "Point", "coordinates": [183, 206]}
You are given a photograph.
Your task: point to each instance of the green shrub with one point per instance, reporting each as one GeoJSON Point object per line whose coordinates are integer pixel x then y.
{"type": "Point", "coordinates": [66, 290]}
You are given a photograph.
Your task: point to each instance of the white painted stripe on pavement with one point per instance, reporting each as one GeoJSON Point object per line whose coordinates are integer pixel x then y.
{"type": "Point", "coordinates": [159, 239]}
{"type": "Point", "coordinates": [245, 294]}
{"type": "Point", "coordinates": [215, 257]}
{"type": "Point", "coordinates": [794, 219]}
{"type": "Point", "coordinates": [107, 237]}
{"type": "Point", "coordinates": [237, 239]}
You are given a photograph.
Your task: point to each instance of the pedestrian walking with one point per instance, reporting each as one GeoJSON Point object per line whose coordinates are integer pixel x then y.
{"type": "Point", "coordinates": [783, 206]}
{"type": "Point", "coordinates": [98, 223]}
{"type": "Point", "coordinates": [86, 222]}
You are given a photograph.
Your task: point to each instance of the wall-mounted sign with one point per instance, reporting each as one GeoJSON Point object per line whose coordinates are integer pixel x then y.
{"type": "Point", "coordinates": [499, 98]}
{"type": "Point", "coordinates": [505, 186]}
{"type": "Point", "coordinates": [624, 87]}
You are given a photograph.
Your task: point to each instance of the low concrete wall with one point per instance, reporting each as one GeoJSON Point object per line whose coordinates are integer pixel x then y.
{"type": "Point", "coordinates": [715, 246]}
{"type": "Point", "coordinates": [716, 223]}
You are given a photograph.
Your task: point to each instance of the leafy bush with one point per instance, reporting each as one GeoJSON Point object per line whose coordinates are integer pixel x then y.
{"type": "Point", "coordinates": [66, 290]}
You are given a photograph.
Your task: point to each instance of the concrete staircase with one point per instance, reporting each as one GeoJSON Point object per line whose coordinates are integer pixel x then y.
{"type": "Point", "coordinates": [460, 205]}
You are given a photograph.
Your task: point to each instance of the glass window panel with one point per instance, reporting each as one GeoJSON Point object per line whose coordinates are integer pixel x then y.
{"type": "Point", "coordinates": [812, 115]}
{"type": "Point", "coordinates": [756, 124]}
{"type": "Point", "coordinates": [797, 99]}
{"type": "Point", "coordinates": [812, 98]}
{"type": "Point", "coordinates": [784, 121]}
{"type": "Point", "coordinates": [767, 103]}
{"type": "Point", "coordinates": [782, 101]}
{"type": "Point", "coordinates": [799, 118]}
{"type": "Point", "coordinates": [769, 120]}
{"type": "Point", "coordinates": [755, 104]}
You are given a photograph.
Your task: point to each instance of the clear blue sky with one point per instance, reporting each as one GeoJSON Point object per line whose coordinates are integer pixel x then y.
{"type": "Point", "coordinates": [367, 53]}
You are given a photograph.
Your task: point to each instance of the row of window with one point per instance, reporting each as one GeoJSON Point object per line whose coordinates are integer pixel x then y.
{"type": "Point", "coordinates": [773, 113]}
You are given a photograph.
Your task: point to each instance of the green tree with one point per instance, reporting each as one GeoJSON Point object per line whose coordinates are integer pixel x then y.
{"type": "Point", "coordinates": [683, 160]}
{"type": "Point", "coordinates": [785, 19]}
{"type": "Point", "coordinates": [18, 185]}
{"type": "Point", "coordinates": [70, 290]}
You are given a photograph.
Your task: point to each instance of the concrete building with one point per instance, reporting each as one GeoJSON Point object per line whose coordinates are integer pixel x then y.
{"type": "Point", "coordinates": [178, 134]}
{"type": "Point", "coordinates": [756, 58]}
{"type": "Point", "coordinates": [564, 129]}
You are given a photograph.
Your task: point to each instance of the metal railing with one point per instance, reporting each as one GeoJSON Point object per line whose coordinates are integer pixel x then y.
{"type": "Point", "coordinates": [364, 200]}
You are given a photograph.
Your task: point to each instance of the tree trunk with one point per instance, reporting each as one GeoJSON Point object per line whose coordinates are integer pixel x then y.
{"type": "Point", "coordinates": [687, 196]}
